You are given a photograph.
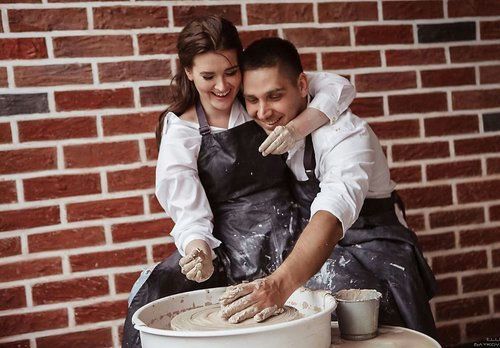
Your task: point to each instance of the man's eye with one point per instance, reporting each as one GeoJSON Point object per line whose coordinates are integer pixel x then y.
{"type": "Point", "coordinates": [251, 100]}
{"type": "Point", "coordinates": [275, 97]}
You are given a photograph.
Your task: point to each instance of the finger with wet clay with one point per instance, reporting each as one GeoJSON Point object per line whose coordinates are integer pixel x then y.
{"type": "Point", "coordinates": [191, 275]}
{"type": "Point", "coordinates": [268, 312]}
{"type": "Point", "coordinates": [236, 306]}
{"type": "Point", "coordinates": [269, 140]}
{"type": "Point", "coordinates": [189, 266]}
{"type": "Point", "coordinates": [245, 314]}
{"type": "Point", "coordinates": [234, 292]}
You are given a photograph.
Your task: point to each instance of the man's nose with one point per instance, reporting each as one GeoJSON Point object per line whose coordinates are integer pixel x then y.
{"type": "Point", "coordinates": [262, 111]}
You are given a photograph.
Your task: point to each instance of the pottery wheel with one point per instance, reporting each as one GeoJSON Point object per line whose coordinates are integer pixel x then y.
{"type": "Point", "coordinates": [208, 318]}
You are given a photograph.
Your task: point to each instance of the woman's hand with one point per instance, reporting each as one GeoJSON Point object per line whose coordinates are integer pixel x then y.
{"type": "Point", "coordinates": [197, 264]}
{"type": "Point", "coordinates": [279, 141]}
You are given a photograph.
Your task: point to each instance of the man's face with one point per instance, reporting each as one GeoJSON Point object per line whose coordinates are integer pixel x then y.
{"type": "Point", "coordinates": [271, 98]}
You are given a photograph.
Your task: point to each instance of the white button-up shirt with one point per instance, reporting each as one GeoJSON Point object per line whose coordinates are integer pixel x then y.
{"type": "Point", "coordinates": [344, 169]}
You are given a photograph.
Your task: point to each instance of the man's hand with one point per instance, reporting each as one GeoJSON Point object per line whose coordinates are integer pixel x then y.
{"type": "Point", "coordinates": [259, 299]}
{"type": "Point", "coordinates": [197, 264]}
{"type": "Point", "coordinates": [281, 140]}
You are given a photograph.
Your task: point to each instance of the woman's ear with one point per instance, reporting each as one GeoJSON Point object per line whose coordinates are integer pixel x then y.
{"type": "Point", "coordinates": [189, 73]}
{"type": "Point", "coordinates": [303, 85]}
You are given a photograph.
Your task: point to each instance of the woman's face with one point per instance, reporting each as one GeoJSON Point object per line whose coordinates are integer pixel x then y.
{"type": "Point", "coordinates": [217, 78]}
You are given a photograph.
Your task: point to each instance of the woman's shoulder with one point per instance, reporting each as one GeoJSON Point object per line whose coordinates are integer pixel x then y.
{"type": "Point", "coordinates": [189, 115]}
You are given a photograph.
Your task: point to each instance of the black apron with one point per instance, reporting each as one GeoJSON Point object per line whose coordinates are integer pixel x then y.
{"type": "Point", "coordinates": [377, 252]}
{"type": "Point", "coordinates": [255, 217]}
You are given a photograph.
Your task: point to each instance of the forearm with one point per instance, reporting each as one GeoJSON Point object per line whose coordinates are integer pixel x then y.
{"type": "Point", "coordinates": [307, 121]}
{"type": "Point", "coordinates": [312, 249]}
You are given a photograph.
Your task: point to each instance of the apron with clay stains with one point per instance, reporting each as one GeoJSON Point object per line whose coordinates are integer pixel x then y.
{"type": "Point", "coordinates": [254, 216]}
{"type": "Point", "coordinates": [377, 252]}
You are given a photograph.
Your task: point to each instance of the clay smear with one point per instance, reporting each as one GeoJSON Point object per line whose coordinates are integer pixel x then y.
{"type": "Point", "coordinates": [357, 295]}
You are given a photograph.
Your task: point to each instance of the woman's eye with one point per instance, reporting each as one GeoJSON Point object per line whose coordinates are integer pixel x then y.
{"type": "Point", "coordinates": [207, 77]}
{"type": "Point", "coordinates": [231, 73]}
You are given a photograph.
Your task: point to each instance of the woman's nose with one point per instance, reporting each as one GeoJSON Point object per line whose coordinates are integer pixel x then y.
{"type": "Point", "coordinates": [221, 84]}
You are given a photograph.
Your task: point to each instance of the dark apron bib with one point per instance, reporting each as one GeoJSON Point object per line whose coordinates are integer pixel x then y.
{"type": "Point", "coordinates": [377, 252]}
{"type": "Point", "coordinates": [255, 217]}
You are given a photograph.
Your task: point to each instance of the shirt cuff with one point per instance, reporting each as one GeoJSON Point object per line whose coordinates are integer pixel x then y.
{"type": "Point", "coordinates": [327, 104]}
{"type": "Point", "coordinates": [209, 239]}
{"type": "Point", "coordinates": [342, 211]}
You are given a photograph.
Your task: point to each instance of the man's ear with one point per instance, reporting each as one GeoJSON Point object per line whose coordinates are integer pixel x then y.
{"type": "Point", "coordinates": [189, 73]}
{"type": "Point", "coordinates": [303, 85]}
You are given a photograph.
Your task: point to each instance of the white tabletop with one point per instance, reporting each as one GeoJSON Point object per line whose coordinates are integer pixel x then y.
{"type": "Point", "coordinates": [388, 337]}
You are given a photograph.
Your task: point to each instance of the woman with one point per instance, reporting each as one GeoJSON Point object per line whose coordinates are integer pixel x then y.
{"type": "Point", "coordinates": [211, 179]}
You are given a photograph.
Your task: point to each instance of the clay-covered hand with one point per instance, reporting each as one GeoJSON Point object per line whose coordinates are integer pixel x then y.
{"type": "Point", "coordinates": [259, 299]}
{"type": "Point", "coordinates": [197, 264]}
{"type": "Point", "coordinates": [281, 140]}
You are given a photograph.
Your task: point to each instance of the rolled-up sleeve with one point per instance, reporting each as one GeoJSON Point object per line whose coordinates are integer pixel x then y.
{"type": "Point", "coordinates": [346, 162]}
{"type": "Point", "coordinates": [178, 187]}
{"type": "Point", "coordinates": [332, 94]}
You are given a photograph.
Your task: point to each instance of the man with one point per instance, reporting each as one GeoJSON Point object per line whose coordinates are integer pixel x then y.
{"type": "Point", "coordinates": [356, 243]}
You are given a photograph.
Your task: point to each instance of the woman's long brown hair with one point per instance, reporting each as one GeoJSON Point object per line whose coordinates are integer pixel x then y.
{"type": "Point", "coordinates": [201, 35]}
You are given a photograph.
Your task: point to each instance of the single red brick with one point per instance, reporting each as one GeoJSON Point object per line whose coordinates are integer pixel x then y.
{"type": "Point", "coordinates": [449, 335]}
{"type": "Point", "coordinates": [144, 122]}
{"type": "Point", "coordinates": [5, 133]}
{"type": "Point", "coordinates": [184, 14]}
{"type": "Point", "coordinates": [154, 205]}
{"type": "Point", "coordinates": [480, 99]}
{"type": "Point", "coordinates": [109, 208]}
{"type": "Point", "coordinates": [495, 212]}
{"type": "Point", "coordinates": [10, 247]}
{"type": "Point", "coordinates": [125, 281]}
{"type": "Point", "coordinates": [368, 107]}
{"type": "Point", "coordinates": [16, 324]}
{"type": "Point", "coordinates": [158, 43]}
{"type": "Point", "coordinates": [141, 70]}
{"type": "Point", "coordinates": [477, 53]}
{"type": "Point", "coordinates": [53, 75]}
{"type": "Point", "coordinates": [478, 282]}
{"type": "Point", "coordinates": [416, 221]}
{"type": "Point", "coordinates": [453, 170]}
{"type": "Point", "coordinates": [383, 34]}
{"type": "Point", "coordinates": [28, 160]}
{"type": "Point", "coordinates": [396, 129]}
{"type": "Point", "coordinates": [130, 17]}
{"type": "Point", "coordinates": [68, 290]}
{"type": "Point", "coordinates": [412, 9]}
{"type": "Point", "coordinates": [448, 125]}
{"type": "Point", "coordinates": [489, 74]}
{"type": "Point", "coordinates": [418, 103]}
{"type": "Point", "coordinates": [101, 312]}
{"type": "Point", "coordinates": [57, 186]}
{"type": "Point", "coordinates": [421, 56]}
{"type": "Point", "coordinates": [483, 328]}
{"type": "Point", "coordinates": [66, 239]}
{"type": "Point", "coordinates": [155, 95]}
{"type": "Point", "coordinates": [459, 262]}
{"type": "Point", "coordinates": [495, 255]}
{"type": "Point", "coordinates": [8, 192]}
{"type": "Point", "coordinates": [432, 196]}
{"type": "Point", "coordinates": [478, 191]}
{"type": "Point", "coordinates": [456, 217]}
{"type": "Point", "coordinates": [409, 152]}
{"type": "Point", "coordinates": [308, 61]}
{"type": "Point", "coordinates": [493, 165]}
{"type": "Point", "coordinates": [350, 60]}
{"type": "Point", "coordinates": [496, 299]}
{"type": "Point", "coordinates": [81, 339]}
{"type": "Point", "coordinates": [279, 13]}
{"type": "Point", "coordinates": [470, 8]}
{"type": "Point", "coordinates": [94, 99]}
{"type": "Point", "coordinates": [247, 37]}
{"type": "Point", "coordinates": [28, 218]}
{"type": "Point", "coordinates": [12, 298]}
{"type": "Point", "coordinates": [439, 241]}
{"type": "Point", "coordinates": [462, 308]}
{"type": "Point", "coordinates": [480, 236]}
{"type": "Point", "coordinates": [16, 344]}
{"type": "Point", "coordinates": [30, 269]}
{"type": "Point", "coordinates": [93, 46]}
{"type": "Point", "coordinates": [108, 259]}
{"type": "Point", "coordinates": [151, 149]}
{"type": "Point", "coordinates": [386, 81]}
{"type": "Point", "coordinates": [57, 128]}
{"type": "Point", "coordinates": [131, 179]}
{"type": "Point", "coordinates": [3, 78]}
{"type": "Point", "coordinates": [163, 251]}
{"type": "Point", "coordinates": [347, 11]}
{"type": "Point", "coordinates": [406, 174]}
{"type": "Point", "coordinates": [23, 48]}
{"type": "Point", "coordinates": [313, 37]}
{"type": "Point", "coordinates": [141, 230]}
{"type": "Point", "coordinates": [48, 19]}
{"type": "Point", "coordinates": [101, 154]}
{"type": "Point", "coordinates": [490, 30]}
{"type": "Point", "coordinates": [448, 77]}
{"type": "Point", "coordinates": [477, 145]}
{"type": "Point", "coordinates": [447, 286]}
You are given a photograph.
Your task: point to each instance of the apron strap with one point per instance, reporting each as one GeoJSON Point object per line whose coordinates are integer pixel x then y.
{"type": "Point", "coordinates": [202, 120]}
{"type": "Point", "coordinates": [309, 159]}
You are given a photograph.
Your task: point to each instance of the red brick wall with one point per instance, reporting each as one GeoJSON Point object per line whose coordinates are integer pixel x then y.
{"type": "Point", "coordinates": [81, 84]}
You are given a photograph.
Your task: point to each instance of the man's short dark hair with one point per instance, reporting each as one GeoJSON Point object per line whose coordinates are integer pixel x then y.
{"type": "Point", "coordinates": [270, 52]}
